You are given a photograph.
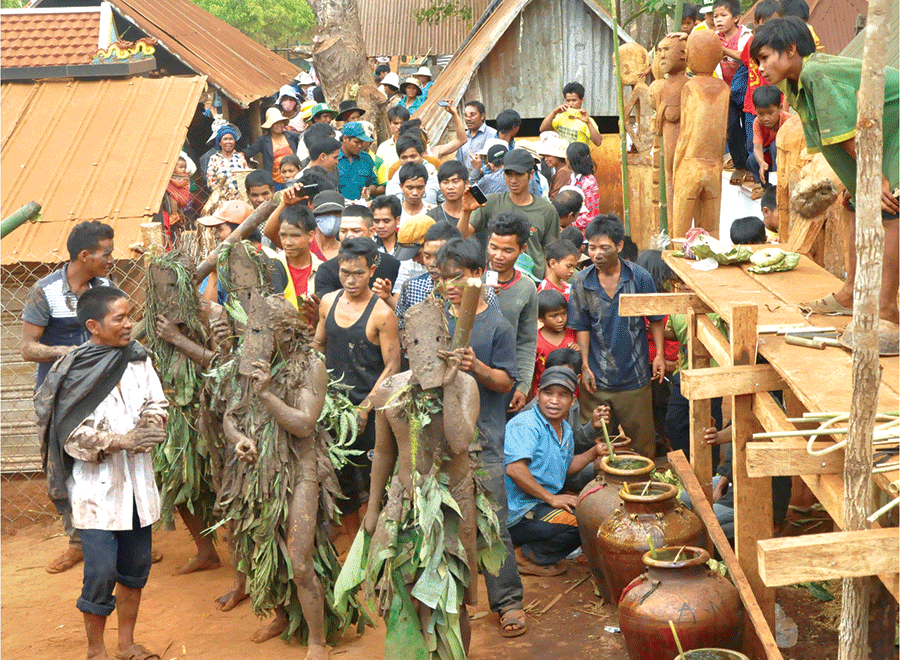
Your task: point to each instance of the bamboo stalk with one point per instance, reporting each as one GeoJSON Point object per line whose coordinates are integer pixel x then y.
{"type": "Point", "coordinates": [883, 510]}
{"type": "Point", "coordinates": [468, 309]}
{"type": "Point", "coordinates": [620, 99]}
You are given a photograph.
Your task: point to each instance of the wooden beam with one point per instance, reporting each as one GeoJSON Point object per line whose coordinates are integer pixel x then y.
{"type": "Point", "coordinates": [714, 341]}
{"type": "Point", "coordinates": [786, 459]}
{"type": "Point", "coordinates": [703, 508]}
{"type": "Point", "coordinates": [700, 410]}
{"type": "Point", "coordinates": [729, 381]}
{"type": "Point", "coordinates": [650, 304]}
{"type": "Point", "coordinates": [815, 557]}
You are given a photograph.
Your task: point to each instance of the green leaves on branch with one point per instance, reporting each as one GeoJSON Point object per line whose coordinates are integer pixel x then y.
{"type": "Point", "coordinates": [442, 10]}
{"type": "Point", "coordinates": [270, 22]}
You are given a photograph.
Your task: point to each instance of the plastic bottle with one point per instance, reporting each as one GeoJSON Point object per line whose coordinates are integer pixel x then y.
{"type": "Point", "coordinates": [785, 629]}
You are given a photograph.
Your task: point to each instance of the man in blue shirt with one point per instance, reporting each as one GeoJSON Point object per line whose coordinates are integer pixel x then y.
{"type": "Point", "coordinates": [539, 455]}
{"type": "Point", "coordinates": [478, 132]}
{"type": "Point", "coordinates": [355, 165]}
{"type": "Point", "coordinates": [614, 348]}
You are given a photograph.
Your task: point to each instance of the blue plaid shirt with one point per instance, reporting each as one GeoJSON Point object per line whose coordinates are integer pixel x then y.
{"type": "Point", "coordinates": [619, 355]}
{"type": "Point", "coordinates": [418, 288]}
{"type": "Point", "coordinates": [356, 174]}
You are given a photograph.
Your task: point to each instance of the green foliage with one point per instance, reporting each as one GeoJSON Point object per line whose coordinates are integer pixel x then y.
{"type": "Point", "coordinates": [442, 10]}
{"type": "Point", "coordinates": [270, 22]}
{"type": "Point", "coordinates": [13, 4]}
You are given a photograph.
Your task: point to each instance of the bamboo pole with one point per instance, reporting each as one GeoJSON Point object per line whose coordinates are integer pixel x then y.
{"type": "Point", "coordinates": [853, 635]}
{"type": "Point", "coordinates": [663, 192]}
{"type": "Point", "coordinates": [27, 213]}
{"type": "Point", "coordinates": [468, 309]}
{"type": "Point", "coordinates": [620, 99]}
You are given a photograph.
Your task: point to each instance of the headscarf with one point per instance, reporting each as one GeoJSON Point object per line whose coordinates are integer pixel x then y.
{"type": "Point", "coordinates": [222, 132]}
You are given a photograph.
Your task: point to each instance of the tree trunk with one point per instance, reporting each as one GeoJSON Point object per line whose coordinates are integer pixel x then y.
{"type": "Point", "coordinates": [854, 629]}
{"type": "Point", "coordinates": [339, 57]}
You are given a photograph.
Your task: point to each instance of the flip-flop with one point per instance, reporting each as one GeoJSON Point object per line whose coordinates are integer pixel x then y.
{"type": "Point", "coordinates": [828, 305]}
{"type": "Point", "coordinates": [137, 652]}
{"type": "Point", "coordinates": [513, 618]}
{"type": "Point", "coordinates": [63, 563]}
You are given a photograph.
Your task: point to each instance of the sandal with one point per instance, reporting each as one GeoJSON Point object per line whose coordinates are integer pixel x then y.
{"type": "Point", "coordinates": [69, 559]}
{"type": "Point", "coordinates": [137, 652]}
{"type": "Point", "coordinates": [737, 177]}
{"type": "Point", "coordinates": [513, 618]}
{"type": "Point", "coordinates": [828, 305]}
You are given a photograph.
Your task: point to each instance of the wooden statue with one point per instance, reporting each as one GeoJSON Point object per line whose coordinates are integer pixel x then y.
{"type": "Point", "coordinates": [634, 60]}
{"type": "Point", "coordinates": [697, 177]}
{"type": "Point", "coordinates": [672, 61]}
{"type": "Point", "coordinates": [422, 558]}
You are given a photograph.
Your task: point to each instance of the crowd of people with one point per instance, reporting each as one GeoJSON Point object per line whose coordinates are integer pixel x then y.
{"type": "Point", "coordinates": [324, 304]}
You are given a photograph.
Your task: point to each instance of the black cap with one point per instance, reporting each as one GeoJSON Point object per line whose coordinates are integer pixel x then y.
{"type": "Point", "coordinates": [496, 153]}
{"type": "Point", "coordinates": [328, 201]}
{"type": "Point", "coordinates": [559, 376]}
{"type": "Point", "coordinates": [518, 160]}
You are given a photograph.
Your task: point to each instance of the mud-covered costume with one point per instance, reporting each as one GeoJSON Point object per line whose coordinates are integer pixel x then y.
{"type": "Point", "coordinates": [182, 462]}
{"type": "Point", "coordinates": [430, 536]}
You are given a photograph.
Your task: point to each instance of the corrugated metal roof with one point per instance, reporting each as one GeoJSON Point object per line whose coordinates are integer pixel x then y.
{"type": "Point", "coordinates": [524, 64]}
{"type": "Point", "coordinates": [37, 38]}
{"type": "Point", "coordinates": [390, 28]}
{"type": "Point", "coordinates": [855, 47]}
{"type": "Point", "coordinates": [243, 69]}
{"type": "Point", "coordinates": [89, 150]}
{"type": "Point", "coordinates": [833, 20]}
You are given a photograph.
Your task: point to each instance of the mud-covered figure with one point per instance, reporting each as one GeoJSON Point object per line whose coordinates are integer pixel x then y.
{"type": "Point", "coordinates": [422, 560]}
{"type": "Point", "coordinates": [179, 340]}
{"type": "Point", "coordinates": [672, 61]}
{"type": "Point", "coordinates": [697, 178]}
{"type": "Point", "coordinates": [283, 499]}
{"type": "Point", "coordinates": [638, 112]}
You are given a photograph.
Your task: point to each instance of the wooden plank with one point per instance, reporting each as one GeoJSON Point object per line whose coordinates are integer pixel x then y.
{"type": "Point", "coordinates": [786, 459]}
{"type": "Point", "coordinates": [714, 341]}
{"type": "Point", "coordinates": [752, 497]}
{"type": "Point", "coordinates": [815, 557]}
{"type": "Point", "coordinates": [700, 410]}
{"type": "Point", "coordinates": [662, 304]}
{"type": "Point", "coordinates": [729, 381]}
{"type": "Point", "coordinates": [704, 509]}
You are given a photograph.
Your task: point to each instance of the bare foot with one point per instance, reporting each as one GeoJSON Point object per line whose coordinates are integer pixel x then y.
{"type": "Point", "coordinates": [199, 563]}
{"type": "Point", "coordinates": [69, 559]}
{"type": "Point", "coordinates": [274, 629]}
{"type": "Point", "coordinates": [317, 653]}
{"type": "Point", "coordinates": [230, 600]}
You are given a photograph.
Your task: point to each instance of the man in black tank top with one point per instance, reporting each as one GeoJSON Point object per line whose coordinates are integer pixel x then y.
{"type": "Point", "coordinates": [357, 332]}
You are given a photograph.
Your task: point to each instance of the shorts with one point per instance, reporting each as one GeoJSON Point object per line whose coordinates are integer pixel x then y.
{"type": "Point", "coordinates": [354, 480]}
{"type": "Point", "coordinates": [885, 215]}
{"type": "Point", "coordinates": [112, 557]}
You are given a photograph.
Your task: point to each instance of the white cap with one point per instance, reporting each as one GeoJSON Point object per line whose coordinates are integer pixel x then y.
{"type": "Point", "coordinates": [490, 142]}
{"type": "Point", "coordinates": [305, 79]}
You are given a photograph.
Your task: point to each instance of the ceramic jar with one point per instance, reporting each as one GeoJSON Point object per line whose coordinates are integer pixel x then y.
{"type": "Point", "coordinates": [597, 501]}
{"type": "Point", "coordinates": [678, 586]}
{"type": "Point", "coordinates": [647, 509]}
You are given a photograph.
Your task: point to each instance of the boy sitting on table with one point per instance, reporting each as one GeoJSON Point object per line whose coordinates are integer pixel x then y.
{"type": "Point", "coordinates": [822, 89]}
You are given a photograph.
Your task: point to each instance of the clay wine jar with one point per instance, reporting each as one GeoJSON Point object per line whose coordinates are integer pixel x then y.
{"type": "Point", "coordinates": [622, 538]}
{"type": "Point", "coordinates": [705, 607]}
{"type": "Point", "coordinates": [597, 501]}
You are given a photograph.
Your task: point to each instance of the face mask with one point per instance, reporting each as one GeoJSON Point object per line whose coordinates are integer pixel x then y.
{"type": "Point", "coordinates": [328, 224]}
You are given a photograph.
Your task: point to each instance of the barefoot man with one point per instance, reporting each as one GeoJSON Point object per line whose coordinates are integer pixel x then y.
{"type": "Point", "coordinates": [100, 412]}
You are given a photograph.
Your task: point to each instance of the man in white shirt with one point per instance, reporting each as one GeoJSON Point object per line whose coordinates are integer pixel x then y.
{"type": "Point", "coordinates": [100, 412]}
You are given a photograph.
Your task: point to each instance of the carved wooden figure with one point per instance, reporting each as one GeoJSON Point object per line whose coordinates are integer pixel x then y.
{"type": "Point", "coordinates": [671, 53]}
{"type": "Point", "coordinates": [634, 60]}
{"type": "Point", "coordinates": [697, 178]}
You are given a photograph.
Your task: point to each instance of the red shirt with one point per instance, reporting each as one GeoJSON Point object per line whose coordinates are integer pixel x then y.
{"type": "Point", "coordinates": [314, 248]}
{"type": "Point", "coordinates": [754, 80]}
{"type": "Point", "coordinates": [544, 348]}
{"type": "Point", "coordinates": [670, 346]}
{"type": "Point", "coordinates": [300, 278]}
{"type": "Point", "coordinates": [547, 284]}
{"type": "Point", "coordinates": [766, 136]}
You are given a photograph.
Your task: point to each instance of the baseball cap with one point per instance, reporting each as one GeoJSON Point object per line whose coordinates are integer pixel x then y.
{"type": "Point", "coordinates": [319, 108]}
{"type": "Point", "coordinates": [328, 201]}
{"type": "Point", "coordinates": [496, 153]}
{"type": "Point", "coordinates": [411, 236]}
{"type": "Point", "coordinates": [706, 8]}
{"type": "Point", "coordinates": [235, 212]}
{"type": "Point", "coordinates": [559, 376]}
{"type": "Point", "coordinates": [518, 160]}
{"type": "Point", "coordinates": [354, 129]}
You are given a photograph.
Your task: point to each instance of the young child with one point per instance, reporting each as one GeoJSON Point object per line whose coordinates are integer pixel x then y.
{"type": "Point", "coordinates": [562, 257]}
{"type": "Point", "coordinates": [553, 314]}
{"type": "Point", "coordinates": [769, 118]}
{"type": "Point", "coordinates": [290, 169]}
{"type": "Point", "coordinates": [296, 231]}
{"type": "Point", "coordinates": [413, 177]}
{"type": "Point", "coordinates": [690, 17]}
{"type": "Point", "coordinates": [762, 12]}
{"type": "Point", "coordinates": [706, 18]}
{"type": "Point", "coordinates": [749, 230]}
{"type": "Point", "coordinates": [734, 37]}
{"type": "Point", "coordinates": [823, 89]}
{"type": "Point", "coordinates": [769, 206]}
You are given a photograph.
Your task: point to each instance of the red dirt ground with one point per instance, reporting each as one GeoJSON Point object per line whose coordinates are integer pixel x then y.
{"type": "Point", "coordinates": [178, 619]}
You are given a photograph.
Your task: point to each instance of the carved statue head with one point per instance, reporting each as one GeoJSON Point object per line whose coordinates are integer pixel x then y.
{"type": "Point", "coordinates": [704, 52]}
{"type": "Point", "coordinates": [424, 335]}
{"type": "Point", "coordinates": [634, 60]}
{"type": "Point", "coordinates": [169, 284]}
{"type": "Point", "coordinates": [672, 56]}
{"type": "Point", "coordinates": [272, 322]}
{"type": "Point", "coordinates": [246, 270]}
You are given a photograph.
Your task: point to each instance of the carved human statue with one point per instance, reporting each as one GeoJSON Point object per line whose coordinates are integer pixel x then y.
{"type": "Point", "coordinates": [698, 156]}
{"type": "Point", "coordinates": [638, 112]}
{"type": "Point", "coordinates": [672, 61]}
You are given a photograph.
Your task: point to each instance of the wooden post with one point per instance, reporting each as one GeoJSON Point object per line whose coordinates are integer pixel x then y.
{"type": "Point", "coordinates": [700, 411]}
{"type": "Point", "coordinates": [752, 497]}
{"type": "Point", "coordinates": [853, 635]}
{"type": "Point", "coordinates": [620, 99]}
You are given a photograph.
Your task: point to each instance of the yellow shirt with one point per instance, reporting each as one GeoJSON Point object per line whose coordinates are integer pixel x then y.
{"type": "Point", "coordinates": [571, 128]}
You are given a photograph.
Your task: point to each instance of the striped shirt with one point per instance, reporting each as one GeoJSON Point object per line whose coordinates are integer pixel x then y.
{"type": "Point", "coordinates": [105, 487]}
{"type": "Point", "coordinates": [474, 144]}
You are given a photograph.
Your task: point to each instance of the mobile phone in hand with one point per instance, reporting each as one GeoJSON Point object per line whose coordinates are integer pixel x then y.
{"type": "Point", "coordinates": [478, 194]}
{"type": "Point", "coordinates": [443, 104]}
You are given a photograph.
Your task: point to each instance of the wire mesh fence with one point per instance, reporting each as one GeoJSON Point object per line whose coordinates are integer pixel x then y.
{"type": "Point", "coordinates": [23, 493]}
